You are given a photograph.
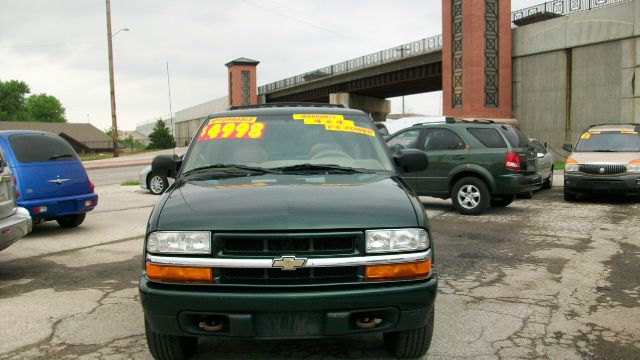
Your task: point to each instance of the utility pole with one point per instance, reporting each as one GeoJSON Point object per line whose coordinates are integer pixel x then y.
{"type": "Point", "coordinates": [114, 122]}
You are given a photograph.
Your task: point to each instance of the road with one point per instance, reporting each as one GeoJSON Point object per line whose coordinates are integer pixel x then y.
{"type": "Point", "coordinates": [541, 278]}
{"type": "Point", "coordinates": [114, 175]}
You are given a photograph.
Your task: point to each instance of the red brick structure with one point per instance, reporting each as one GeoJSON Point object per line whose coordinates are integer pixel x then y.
{"type": "Point", "coordinates": [242, 82]}
{"type": "Point", "coordinates": [476, 58]}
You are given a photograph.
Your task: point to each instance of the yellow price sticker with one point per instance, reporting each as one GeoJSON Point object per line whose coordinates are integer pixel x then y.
{"type": "Point", "coordinates": [333, 123]}
{"type": "Point", "coordinates": [235, 119]}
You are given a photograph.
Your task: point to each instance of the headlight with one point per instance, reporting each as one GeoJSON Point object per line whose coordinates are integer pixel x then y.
{"type": "Point", "coordinates": [179, 242]}
{"type": "Point", "coordinates": [571, 167]}
{"type": "Point", "coordinates": [395, 240]}
{"type": "Point", "coordinates": [634, 166]}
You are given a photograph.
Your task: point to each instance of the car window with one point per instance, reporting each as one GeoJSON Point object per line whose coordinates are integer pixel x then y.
{"type": "Point", "coordinates": [488, 137]}
{"type": "Point", "coordinates": [442, 139]}
{"type": "Point", "coordinates": [404, 140]}
{"type": "Point", "coordinates": [609, 141]}
{"type": "Point", "coordinates": [271, 141]}
{"type": "Point", "coordinates": [515, 137]}
{"type": "Point", "coordinates": [41, 147]}
{"type": "Point", "coordinates": [538, 147]}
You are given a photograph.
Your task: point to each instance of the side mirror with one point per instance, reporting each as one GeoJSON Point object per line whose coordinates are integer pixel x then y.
{"type": "Point", "coordinates": [567, 147]}
{"type": "Point", "coordinates": [166, 165]}
{"type": "Point", "coordinates": [411, 160]}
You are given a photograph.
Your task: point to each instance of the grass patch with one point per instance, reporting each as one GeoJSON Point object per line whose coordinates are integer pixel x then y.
{"type": "Point", "coordinates": [92, 156]}
{"type": "Point", "coordinates": [558, 165]}
{"type": "Point", "coordinates": [130, 183]}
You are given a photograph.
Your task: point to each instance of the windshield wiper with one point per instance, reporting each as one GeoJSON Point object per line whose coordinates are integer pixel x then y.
{"type": "Point", "coordinates": [54, 157]}
{"type": "Point", "coordinates": [318, 167]}
{"type": "Point", "coordinates": [228, 169]}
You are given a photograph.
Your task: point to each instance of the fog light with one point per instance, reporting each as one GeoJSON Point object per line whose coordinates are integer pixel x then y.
{"type": "Point", "coordinates": [40, 209]}
{"type": "Point", "coordinates": [89, 203]}
{"type": "Point", "coordinates": [178, 273]}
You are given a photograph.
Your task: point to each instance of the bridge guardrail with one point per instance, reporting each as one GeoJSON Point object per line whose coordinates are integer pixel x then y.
{"type": "Point", "coordinates": [563, 7]}
{"type": "Point", "coordinates": [379, 57]}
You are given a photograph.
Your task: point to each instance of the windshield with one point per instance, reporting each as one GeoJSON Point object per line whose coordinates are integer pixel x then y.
{"type": "Point", "coordinates": [278, 141]}
{"type": "Point", "coordinates": [605, 141]}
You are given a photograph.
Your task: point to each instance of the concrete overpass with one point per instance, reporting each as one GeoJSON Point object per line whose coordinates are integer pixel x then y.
{"type": "Point", "coordinates": [567, 71]}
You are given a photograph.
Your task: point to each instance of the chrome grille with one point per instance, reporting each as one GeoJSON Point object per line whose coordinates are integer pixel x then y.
{"type": "Point", "coordinates": [603, 169]}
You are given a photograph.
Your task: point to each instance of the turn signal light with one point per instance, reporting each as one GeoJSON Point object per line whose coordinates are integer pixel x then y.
{"type": "Point", "coordinates": [570, 161]}
{"type": "Point", "coordinates": [179, 273]}
{"type": "Point", "coordinates": [398, 271]}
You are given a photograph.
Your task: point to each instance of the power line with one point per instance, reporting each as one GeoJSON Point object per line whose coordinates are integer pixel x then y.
{"type": "Point", "coordinates": [288, 14]}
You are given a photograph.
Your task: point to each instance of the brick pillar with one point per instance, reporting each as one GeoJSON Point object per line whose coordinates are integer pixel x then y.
{"type": "Point", "coordinates": [476, 58]}
{"type": "Point", "coordinates": [243, 89]}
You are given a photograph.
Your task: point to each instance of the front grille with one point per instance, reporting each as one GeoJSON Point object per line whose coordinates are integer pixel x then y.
{"type": "Point", "coordinates": [344, 273]}
{"type": "Point", "coordinates": [289, 244]}
{"type": "Point", "coordinates": [602, 169]}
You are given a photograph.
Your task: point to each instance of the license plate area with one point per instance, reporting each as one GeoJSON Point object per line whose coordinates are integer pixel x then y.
{"type": "Point", "coordinates": [288, 324]}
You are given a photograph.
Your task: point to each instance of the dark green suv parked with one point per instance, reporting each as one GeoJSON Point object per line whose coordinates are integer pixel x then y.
{"type": "Point", "coordinates": [288, 222]}
{"type": "Point", "coordinates": [475, 163]}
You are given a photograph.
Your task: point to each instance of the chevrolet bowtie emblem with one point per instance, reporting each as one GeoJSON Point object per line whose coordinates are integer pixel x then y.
{"type": "Point", "coordinates": [58, 181]}
{"type": "Point", "coordinates": [288, 263]}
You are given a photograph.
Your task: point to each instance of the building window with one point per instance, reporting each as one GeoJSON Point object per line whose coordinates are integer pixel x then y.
{"type": "Point", "coordinates": [245, 88]}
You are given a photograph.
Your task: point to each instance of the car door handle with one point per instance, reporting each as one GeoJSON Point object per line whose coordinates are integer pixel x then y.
{"type": "Point", "coordinates": [459, 157]}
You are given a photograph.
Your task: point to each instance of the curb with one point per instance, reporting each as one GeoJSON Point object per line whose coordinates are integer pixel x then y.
{"type": "Point", "coordinates": [89, 166]}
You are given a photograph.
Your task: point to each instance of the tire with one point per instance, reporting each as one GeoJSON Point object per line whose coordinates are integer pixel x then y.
{"type": "Point", "coordinates": [570, 196]}
{"type": "Point", "coordinates": [470, 196]}
{"type": "Point", "coordinates": [157, 184]}
{"type": "Point", "coordinates": [503, 201]}
{"type": "Point", "coordinates": [169, 347]}
{"type": "Point", "coordinates": [548, 184]}
{"type": "Point", "coordinates": [413, 343]}
{"type": "Point", "coordinates": [71, 221]}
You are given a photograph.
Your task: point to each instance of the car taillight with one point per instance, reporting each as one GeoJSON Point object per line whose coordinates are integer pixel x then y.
{"type": "Point", "coordinates": [91, 185]}
{"type": "Point", "coordinates": [15, 187]}
{"type": "Point", "coordinates": [511, 161]}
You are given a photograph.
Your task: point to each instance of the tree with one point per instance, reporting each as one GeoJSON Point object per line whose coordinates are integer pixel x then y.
{"type": "Point", "coordinates": [160, 137]}
{"type": "Point", "coordinates": [12, 100]}
{"type": "Point", "coordinates": [43, 107]}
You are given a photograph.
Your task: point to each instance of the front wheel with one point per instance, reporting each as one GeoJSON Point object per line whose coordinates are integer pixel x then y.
{"type": "Point", "coordinates": [470, 196]}
{"type": "Point", "coordinates": [413, 343]}
{"type": "Point", "coordinates": [548, 184]}
{"type": "Point", "coordinates": [169, 347]}
{"type": "Point", "coordinates": [157, 184]}
{"type": "Point", "coordinates": [70, 221]}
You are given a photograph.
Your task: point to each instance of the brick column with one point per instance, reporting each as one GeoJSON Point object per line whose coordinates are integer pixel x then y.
{"type": "Point", "coordinates": [243, 89]}
{"type": "Point", "coordinates": [476, 58]}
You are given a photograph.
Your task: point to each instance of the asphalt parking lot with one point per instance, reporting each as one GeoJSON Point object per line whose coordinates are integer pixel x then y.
{"type": "Point", "coordinates": [541, 278]}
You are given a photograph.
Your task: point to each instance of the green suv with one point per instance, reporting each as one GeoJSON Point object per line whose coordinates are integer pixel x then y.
{"type": "Point", "coordinates": [288, 222]}
{"type": "Point", "coordinates": [475, 163]}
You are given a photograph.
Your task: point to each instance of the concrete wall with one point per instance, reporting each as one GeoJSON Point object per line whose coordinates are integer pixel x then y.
{"type": "Point", "coordinates": [577, 70]}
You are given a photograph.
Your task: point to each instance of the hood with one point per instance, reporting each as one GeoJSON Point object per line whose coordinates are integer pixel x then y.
{"type": "Point", "coordinates": [605, 158]}
{"type": "Point", "coordinates": [289, 202]}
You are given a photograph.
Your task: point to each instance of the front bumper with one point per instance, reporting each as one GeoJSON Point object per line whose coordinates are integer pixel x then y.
{"type": "Point", "coordinates": [60, 206]}
{"type": "Point", "coordinates": [612, 184]}
{"type": "Point", "coordinates": [14, 227]}
{"type": "Point", "coordinates": [512, 184]}
{"type": "Point", "coordinates": [286, 313]}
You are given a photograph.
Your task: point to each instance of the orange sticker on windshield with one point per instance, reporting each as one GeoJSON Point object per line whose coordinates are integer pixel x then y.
{"type": "Point", "coordinates": [232, 130]}
{"type": "Point", "coordinates": [585, 136]}
{"type": "Point", "coordinates": [235, 119]}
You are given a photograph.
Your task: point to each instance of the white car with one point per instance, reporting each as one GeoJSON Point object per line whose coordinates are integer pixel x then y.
{"type": "Point", "coordinates": [156, 184]}
{"type": "Point", "coordinates": [393, 126]}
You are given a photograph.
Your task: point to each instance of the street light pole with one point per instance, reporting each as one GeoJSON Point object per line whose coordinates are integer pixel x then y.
{"type": "Point", "coordinates": [114, 122]}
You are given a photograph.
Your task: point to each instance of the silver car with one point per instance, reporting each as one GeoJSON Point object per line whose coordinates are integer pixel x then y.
{"type": "Point", "coordinates": [15, 221]}
{"type": "Point", "coordinates": [155, 183]}
{"type": "Point", "coordinates": [545, 163]}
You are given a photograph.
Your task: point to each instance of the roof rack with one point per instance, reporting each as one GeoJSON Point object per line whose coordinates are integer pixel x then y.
{"type": "Point", "coordinates": [286, 104]}
{"type": "Point", "coordinates": [451, 120]}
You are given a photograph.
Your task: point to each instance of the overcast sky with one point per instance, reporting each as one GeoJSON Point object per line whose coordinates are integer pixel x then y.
{"type": "Point", "coordinates": [60, 48]}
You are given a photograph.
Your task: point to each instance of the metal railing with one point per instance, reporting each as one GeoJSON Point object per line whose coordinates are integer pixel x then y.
{"type": "Point", "coordinates": [563, 7]}
{"type": "Point", "coordinates": [380, 57]}
{"type": "Point", "coordinates": [560, 7]}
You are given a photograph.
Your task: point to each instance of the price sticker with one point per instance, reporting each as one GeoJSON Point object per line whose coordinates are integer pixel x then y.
{"type": "Point", "coordinates": [232, 130]}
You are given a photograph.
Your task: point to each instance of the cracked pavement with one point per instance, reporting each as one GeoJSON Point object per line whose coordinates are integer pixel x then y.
{"type": "Point", "coordinates": [540, 279]}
